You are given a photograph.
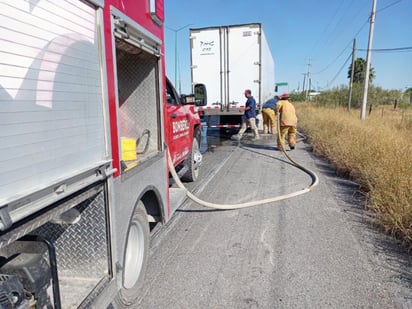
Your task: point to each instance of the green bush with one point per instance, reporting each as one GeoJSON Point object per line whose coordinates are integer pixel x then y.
{"type": "Point", "coordinates": [339, 97]}
{"type": "Point", "coordinates": [298, 97]}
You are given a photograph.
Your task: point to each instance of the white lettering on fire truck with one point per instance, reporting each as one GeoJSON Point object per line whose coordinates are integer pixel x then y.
{"type": "Point", "coordinates": [177, 136]}
{"type": "Point", "coordinates": [180, 155]}
{"type": "Point", "coordinates": [180, 126]}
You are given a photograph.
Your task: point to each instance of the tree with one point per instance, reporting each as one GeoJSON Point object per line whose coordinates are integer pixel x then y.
{"type": "Point", "coordinates": [360, 72]}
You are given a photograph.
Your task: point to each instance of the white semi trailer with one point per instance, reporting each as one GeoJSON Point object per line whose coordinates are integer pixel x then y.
{"type": "Point", "coordinates": [228, 60]}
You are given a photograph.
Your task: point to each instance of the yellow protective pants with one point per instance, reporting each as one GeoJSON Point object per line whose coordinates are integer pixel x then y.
{"type": "Point", "coordinates": [269, 120]}
{"type": "Point", "coordinates": [291, 132]}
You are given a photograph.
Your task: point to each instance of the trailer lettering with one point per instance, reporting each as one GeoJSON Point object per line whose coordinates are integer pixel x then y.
{"type": "Point", "coordinates": [206, 47]}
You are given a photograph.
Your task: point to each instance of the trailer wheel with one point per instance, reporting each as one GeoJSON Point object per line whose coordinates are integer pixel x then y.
{"type": "Point", "coordinates": [193, 163]}
{"type": "Point", "coordinates": [135, 258]}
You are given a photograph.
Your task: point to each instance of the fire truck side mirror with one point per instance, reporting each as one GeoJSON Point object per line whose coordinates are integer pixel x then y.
{"type": "Point", "coordinates": [200, 95]}
{"type": "Point", "coordinates": [187, 99]}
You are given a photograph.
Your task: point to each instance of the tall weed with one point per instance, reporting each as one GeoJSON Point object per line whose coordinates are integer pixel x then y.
{"type": "Point", "coordinates": [376, 153]}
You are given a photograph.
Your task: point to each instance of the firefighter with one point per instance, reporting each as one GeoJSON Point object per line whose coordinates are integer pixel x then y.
{"type": "Point", "coordinates": [288, 121]}
{"type": "Point", "coordinates": [268, 113]}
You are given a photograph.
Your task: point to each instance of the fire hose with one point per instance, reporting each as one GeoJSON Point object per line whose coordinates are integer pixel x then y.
{"type": "Point", "coordinates": [197, 200]}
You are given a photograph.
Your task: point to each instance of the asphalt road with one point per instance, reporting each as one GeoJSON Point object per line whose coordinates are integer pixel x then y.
{"type": "Point", "coordinates": [317, 250]}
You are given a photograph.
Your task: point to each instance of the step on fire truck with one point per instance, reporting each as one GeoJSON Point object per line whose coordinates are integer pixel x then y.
{"type": "Point", "coordinates": [87, 119]}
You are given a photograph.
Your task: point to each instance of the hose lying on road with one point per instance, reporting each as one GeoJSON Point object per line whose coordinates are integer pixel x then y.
{"type": "Point", "coordinates": [194, 198]}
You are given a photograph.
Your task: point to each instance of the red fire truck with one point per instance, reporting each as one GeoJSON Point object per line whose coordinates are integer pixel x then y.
{"type": "Point", "coordinates": [87, 119]}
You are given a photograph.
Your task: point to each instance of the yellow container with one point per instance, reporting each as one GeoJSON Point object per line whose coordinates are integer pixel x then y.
{"type": "Point", "coordinates": [128, 149]}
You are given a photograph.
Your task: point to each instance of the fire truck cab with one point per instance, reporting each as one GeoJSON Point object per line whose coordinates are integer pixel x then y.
{"type": "Point", "coordinates": [87, 121]}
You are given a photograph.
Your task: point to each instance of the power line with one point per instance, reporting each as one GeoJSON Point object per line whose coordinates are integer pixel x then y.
{"type": "Point", "coordinates": [341, 22]}
{"type": "Point", "coordinates": [345, 48]}
{"type": "Point", "coordinates": [336, 59]}
{"type": "Point", "coordinates": [329, 25]}
{"type": "Point", "coordinates": [324, 30]}
{"type": "Point", "coordinates": [383, 50]}
{"type": "Point", "coordinates": [340, 70]}
{"type": "Point", "coordinates": [331, 35]}
{"type": "Point", "coordinates": [388, 6]}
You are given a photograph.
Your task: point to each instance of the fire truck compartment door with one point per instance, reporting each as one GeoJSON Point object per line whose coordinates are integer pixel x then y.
{"type": "Point", "coordinates": [52, 122]}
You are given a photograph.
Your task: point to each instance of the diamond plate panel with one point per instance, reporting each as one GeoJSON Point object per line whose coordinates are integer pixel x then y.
{"type": "Point", "coordinates": [81, 250]}
{"type": "Point", "coordinates": [28, 227]}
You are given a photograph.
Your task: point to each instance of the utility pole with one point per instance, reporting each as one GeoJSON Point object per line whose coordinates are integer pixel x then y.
{"type": "Point", "coordinates": [308, 81]}
{"type": "Point", "coordinates": [303, 85]}
{"type": "Point", "coordinates": [352, 73]}
{"type": "Point", "coordinates": [368, 61]}
{"type": "Point", "coordinates": [176, 54]}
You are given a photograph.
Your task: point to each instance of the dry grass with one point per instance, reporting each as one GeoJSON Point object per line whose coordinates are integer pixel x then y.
{"type": "Point", "coordinates": [376, 153]}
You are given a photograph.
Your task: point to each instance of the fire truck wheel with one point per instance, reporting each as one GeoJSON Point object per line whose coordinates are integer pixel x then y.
{"type": "Point", "coordinates": [135, 258]}
{"type": "Point", "coordinates": [193, 163]}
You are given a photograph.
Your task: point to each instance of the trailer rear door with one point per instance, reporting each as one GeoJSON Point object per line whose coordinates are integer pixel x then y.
{"type": "Point", "coordinates": [207, 62]}
{"type": "Point", "coordinates": [244, 62]}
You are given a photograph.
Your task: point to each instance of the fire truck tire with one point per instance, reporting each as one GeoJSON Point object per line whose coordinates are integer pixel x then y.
{"type": "Point", "coordinates": [193, 163]}
{"type": "Point", "coordinates": [135, 258]}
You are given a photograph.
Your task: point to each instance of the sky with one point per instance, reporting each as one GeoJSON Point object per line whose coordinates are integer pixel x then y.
{"type": "Point", "coordinates": [314, 36]}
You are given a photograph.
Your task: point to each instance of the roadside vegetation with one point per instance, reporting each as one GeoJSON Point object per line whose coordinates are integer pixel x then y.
{"type": "Point", "coordinates": [376, 153]}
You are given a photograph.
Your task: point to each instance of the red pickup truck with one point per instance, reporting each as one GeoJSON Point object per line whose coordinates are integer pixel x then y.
{"type": "Point", "coordinates": [183, 134]}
